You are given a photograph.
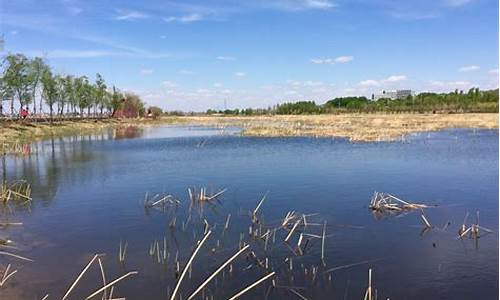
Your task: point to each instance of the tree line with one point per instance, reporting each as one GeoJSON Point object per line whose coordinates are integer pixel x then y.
{"type": "Point", "coordinates": [32, 84]}
{"type": "Point", "coordinates": [474, 100]}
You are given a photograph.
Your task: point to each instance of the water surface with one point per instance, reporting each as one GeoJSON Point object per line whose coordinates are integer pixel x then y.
{"type": "Point", "coordinates": [88, 196]}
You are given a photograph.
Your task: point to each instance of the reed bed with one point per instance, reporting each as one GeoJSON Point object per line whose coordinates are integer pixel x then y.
{"type": "Point", "coordinates": [199, 259]}
{"type": "Point", "coordinates": [18, 190]}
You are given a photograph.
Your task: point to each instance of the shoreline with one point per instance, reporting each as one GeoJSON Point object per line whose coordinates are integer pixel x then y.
{"type": "Point", "coordinates": [360, 127]}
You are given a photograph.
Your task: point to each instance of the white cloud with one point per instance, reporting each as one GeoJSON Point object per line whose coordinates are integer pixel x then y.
{"type": "Point", "coordinates": [412, 15]}
{"type": "Point", "coordinates": [456, 3]}
{"type": "Point", "coordinates": [389, 80]}
{"type": "Point", "coordinates": [295, 5]}
{"type": "Point", "coordinates": [344, 59]}
{"type": "Point", "coordinates": [129, 15]}
{"type": "Point", "coordinates": [370, 82]}
{"type": "Point", "coordinates": [471, 68]}
{"type": "Point", "coordinates": [217, 85]}
{"type": "Point", "coordinates": [184, 19]}
{"type": "Point", "coordinates": [146, 71]}
{"type": "Point", "coordinates": [493, 71]}
{"type": "Point", "coordinates": [14, 32]}
{"type": "Point", "coordinates": [308, 83]}
{"type": "Point", "coordinates": [395, 78]}
{"type": "Point", "coordinates": [331, 61]}
{"type": "Point", "coordinates": [450, 83]}
{"type": "Point", "coordinates": [225, 58]}
{"type": "Point", "coordinates": [319, 4]}
{"type": "Point", "coordinates": [321, 61]}
{"type": "Point", "coordinates": [240, 74]}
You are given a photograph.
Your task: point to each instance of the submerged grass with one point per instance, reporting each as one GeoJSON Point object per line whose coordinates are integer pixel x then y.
{"type": "Point", "coordinates": [287, 254]}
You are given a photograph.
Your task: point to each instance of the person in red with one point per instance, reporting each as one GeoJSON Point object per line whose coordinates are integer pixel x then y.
{"type": "Point", "coordinates": [24, 113]}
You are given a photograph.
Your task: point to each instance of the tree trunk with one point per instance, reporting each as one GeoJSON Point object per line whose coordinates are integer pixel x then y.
{"type": "Point", "coordinates": [51, 110]}
{"type": "Point", "coordinates": [12, 107]}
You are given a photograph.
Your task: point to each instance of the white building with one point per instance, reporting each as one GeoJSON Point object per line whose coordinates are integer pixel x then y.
{"type": "Point", "coordinates": [397, 94]}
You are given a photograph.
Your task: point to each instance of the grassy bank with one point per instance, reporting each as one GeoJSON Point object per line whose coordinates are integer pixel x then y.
{"type": "Point", "coordinates": [19, 132]}
{"type": "Point", "coordinates": [356, 127]}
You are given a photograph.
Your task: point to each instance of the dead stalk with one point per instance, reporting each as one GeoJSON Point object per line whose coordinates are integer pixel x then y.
{"type": "Point", "coordinates": [252, 286]}
{"type": "Point", "coordinates": [218, 271]}
{"type": "Point", "coordinates": [190, 261]}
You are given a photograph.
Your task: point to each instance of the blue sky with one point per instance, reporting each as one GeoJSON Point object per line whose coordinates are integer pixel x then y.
{"type": "Point", "coordinates": [194, 55]}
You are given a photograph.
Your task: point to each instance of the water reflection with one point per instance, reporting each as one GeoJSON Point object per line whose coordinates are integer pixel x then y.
{"type": "Point", "coordinates": [127, 132]}
{"type": "Point", "coordinates": [89, 194]}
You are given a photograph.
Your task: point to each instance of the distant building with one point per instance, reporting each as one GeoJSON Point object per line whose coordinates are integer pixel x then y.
{"type": "Point", "coordinates": [397, 94]}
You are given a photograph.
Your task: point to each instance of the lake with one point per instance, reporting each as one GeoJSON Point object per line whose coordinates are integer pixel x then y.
{"type": "Point", "coordinates": [89, 193]}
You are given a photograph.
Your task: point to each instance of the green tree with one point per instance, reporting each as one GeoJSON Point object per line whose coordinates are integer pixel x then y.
{"type": "Point", "coordinates": [155, 111]}
{"type": "Point", "coordinates": [50, 91]}
{"type": "Point", "coordinates": [16, 77]}
{"type": "Point", "coordinates": [100, 93]}
{"type": "Point", "coordinates": [36, 69]}
{"type": "Point", "coordinates": [5, 94]}
{"type": "Point", "coordinates": [69, 91]}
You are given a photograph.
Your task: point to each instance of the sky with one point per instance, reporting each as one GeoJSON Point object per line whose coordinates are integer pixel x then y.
{"type": "Point", "coordinates": [194, 55]}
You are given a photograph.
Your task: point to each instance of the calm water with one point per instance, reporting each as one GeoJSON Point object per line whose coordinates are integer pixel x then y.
{"type": "Point", "coordinates": [88, 196]}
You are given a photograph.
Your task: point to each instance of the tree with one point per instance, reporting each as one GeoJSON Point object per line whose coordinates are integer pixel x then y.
{"type": "Point", "coordinates": [62, 97]}
{"type": "Point", "coordinates": [155, 111]}
{"type": "Point", "coordinates": [83, 92]}
{"type": "Point", "coordinates": [5, 94]}
{"type": "Point", "coordinates": [69, 91]}
{"type": "Point", "coordinates": [36, 69]}
{"type": "Point", "coordinates": [136, 102]}
{"type": "Point", "coordinates": [100, 92]}
{"type": "Point", "coordinates": [49, 91]}
{"type": "Point", "coordinates": [16, 77]}
{"type": "Point", "coordinates": [116, 98]}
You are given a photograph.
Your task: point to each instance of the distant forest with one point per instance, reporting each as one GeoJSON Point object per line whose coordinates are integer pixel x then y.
{"type": "Point", "coordinates": [473, 100]}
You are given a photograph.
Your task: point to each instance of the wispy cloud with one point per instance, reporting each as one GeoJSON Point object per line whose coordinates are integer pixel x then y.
{"type": "Point", "coordinates": [413, 16]}
{"type": "Point", "coordinates": [445, 86]}
{"type": "Point", "coordinates": [417, 10]}
{"type": "Point", "coordinates": [225, 58]}
{"type": "Point", "coordinates": [395, 78]}
{"type": "Point", "coordinates": [295, 5]}
{"type": "Point", "coordinates": [450, 83]}
{"type": "Point", "coordinates": [240, 74]}
{"type": "Point", "coordinates": [194, 17]}
{"type": "Point", "coordinates": [493, 71]}
{"type": "Point", "coordinates": [146, 72]}
{"type": "Point", "coordinates": [389, 80]}
{"type": "Point", "coordinates": [369, 82]}
{"type": "Point", "coordinates": [471, 68]}
{"type": "Point", "coordinates": [332, 61]}
{"type": "Point", "coordinates": [130, 15]}
{"type": "Point", "coordinates": [73, 7]}
{"type": "Point", "coordinates": [319, 4]}
{"type": "Point", "coordinates": [457, 3]}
